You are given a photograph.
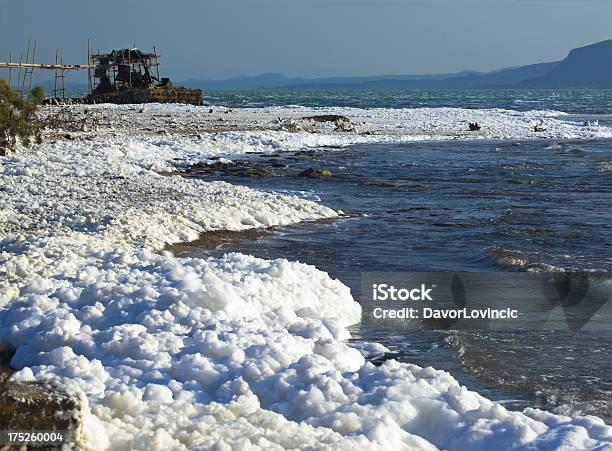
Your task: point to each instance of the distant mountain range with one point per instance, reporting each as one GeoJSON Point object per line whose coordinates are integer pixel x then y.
{"type": "Point", "coordinates": [273, 80]}
{"type": "Point", "coordinates": [584, 67]}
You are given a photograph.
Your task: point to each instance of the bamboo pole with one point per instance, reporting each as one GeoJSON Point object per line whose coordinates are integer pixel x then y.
{"type": "Point", "coordinates": [156, 64]}
{"type": "Point", "coordinates": [89, 86]}
{"type": "Point", "coordinates": [10, 71]}
{"type": "Point", "coordinates": [55, 78]}
{"type": "Point", "coordinates": [45, 66]}
{"type": "Point", "coordinates": [63, 86]}
{"type": "Point", "coordinates": [32, 69]}
{"type": "Point", "coordinates": [25, 70]}
{"type": "Point", "coordinates": [19, 73]}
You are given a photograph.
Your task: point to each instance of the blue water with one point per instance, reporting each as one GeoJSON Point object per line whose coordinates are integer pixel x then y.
{"type": "Point", "coordinates": [462, 206]}
{"type": "Point", "coordinates": [583, 101]}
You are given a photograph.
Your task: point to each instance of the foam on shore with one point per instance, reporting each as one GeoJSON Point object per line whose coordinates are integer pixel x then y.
{"type": "Point", "coordinates": [227, 353]}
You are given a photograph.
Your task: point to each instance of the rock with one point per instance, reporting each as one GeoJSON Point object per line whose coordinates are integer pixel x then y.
{"type": "Point", "coordinates": [343, 123]}
{"type": "Point", "coordinates": [314, 173]}
{"type": "Point", "coordinates": [6, 354]}
{"type": "Point", "coordinates": [27, 406]}
{"type": "Point", "coordinates": [540, 127]}
{"type": "Point", "coordinates": [236, 168]}
{"type": "Point", "coordinates": [327, 118]}
{"type": "Point", "coordinates": [342, 126]}
{"type": "Point", "coordinates": [289, 125]}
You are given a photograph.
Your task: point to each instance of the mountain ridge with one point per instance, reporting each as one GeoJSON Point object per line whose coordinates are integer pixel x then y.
{"type": "Point", "coordinates": [589, 66]}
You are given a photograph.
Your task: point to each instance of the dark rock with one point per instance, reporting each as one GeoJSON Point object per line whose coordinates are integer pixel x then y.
{"type": "Point", "coordinates": [315, 173]}
{"type": "Point", "coordinates": [540, 127]}
{"type": "Point", "coordinates": [327, 118]}
{"type": "Point", "coordinates": [236, 168]}
{"type": "Point", "coordinates": [27, 406]}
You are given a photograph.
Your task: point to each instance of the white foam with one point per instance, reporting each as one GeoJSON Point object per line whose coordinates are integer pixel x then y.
{"type": "Point", "coordinates": [163, 153]}
{"type": "Point", "coordinates": [233, 352]}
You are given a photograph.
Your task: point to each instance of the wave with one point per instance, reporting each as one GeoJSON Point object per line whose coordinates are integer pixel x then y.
{"type": "Point", "coordinates": [567, 382]}
{"type": "Point", "coordinates": [521, 260]}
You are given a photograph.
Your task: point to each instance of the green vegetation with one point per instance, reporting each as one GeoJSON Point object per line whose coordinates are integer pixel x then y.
{"type": "Point", "coordinates": [18, 119]}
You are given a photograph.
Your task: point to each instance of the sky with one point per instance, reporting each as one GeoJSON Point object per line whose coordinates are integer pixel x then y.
{"type": "Point", "coordinates": [310, 38]}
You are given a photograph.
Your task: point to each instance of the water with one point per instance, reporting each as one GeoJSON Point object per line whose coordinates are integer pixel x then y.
{"type": "Point", "coordinates": [463, 206]}
{"type": "Point", "coordinates": [583, 101]}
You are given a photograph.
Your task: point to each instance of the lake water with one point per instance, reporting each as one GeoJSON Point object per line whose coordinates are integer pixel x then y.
{"type": "Point", "coordinates": [486, 206]}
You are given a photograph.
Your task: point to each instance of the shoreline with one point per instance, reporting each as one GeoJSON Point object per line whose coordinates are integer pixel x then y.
{"type": "Point", "coordinates": [215, 238]}
{"type": "Point", "coordinates": [140, 334]}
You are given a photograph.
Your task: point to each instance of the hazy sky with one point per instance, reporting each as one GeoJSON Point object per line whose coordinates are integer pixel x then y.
{"type": "Point", "coordinates": [223, 38]}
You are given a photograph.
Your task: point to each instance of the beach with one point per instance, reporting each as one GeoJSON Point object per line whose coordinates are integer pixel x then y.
{"type": "Point", "coordinates": [162, 351]}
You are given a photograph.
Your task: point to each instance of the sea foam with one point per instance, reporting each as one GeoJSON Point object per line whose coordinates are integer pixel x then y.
{"type": "Point", "coordinates": [228, 353]}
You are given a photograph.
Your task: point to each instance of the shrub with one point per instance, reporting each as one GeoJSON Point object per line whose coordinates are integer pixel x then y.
{"type": "Point", "coordinates": [18, 120]}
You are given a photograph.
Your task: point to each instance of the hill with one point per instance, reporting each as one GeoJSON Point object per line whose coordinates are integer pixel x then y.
{"type": "Point", "coordinates": [584, 67]}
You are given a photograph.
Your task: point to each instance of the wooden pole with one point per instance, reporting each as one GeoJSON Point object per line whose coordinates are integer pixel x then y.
{"type": "Point", "coordinates": [19, 72]}
{"type": "Point", "coordinates": [10, 68]}
{"type": "Point", "coordinates": [44, 66]}
{"type": "Point", "coordinates": [89, 87]}
{"type": "Point", "coordinates": [32, 69]}
{"type": "Point", "coordinates": [156, 64]}
{"type": "Point", "coordinates": [63, 86]}
{"type": "Point", "coordinates": [25, 71]}
{"type": "Point", "coordinates": [55, 78]}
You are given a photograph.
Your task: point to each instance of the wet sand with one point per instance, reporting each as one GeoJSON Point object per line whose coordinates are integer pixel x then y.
{"type": "Point", "coordinates": [215, 238]}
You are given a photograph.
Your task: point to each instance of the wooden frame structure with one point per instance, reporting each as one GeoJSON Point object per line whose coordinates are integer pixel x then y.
{"type": "Point", "coordinates": [121, 76]}
{"type": "Point", "coordinates": [123, 69]}
{"type": "Point", "coordinates": [25, 71]}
